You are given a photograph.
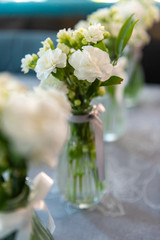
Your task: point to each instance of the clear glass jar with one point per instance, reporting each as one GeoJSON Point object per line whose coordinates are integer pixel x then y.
{"type": "Point", "coordinates": [78, 178]}
{"type": "Point", "coordinates": [134, 86]}
{"type": "Point", "coordinates": [114, 118]}
{"type": "Point", "coordinates": [135, 79]}
{"type": "Point", "coordinates": [39, 232]}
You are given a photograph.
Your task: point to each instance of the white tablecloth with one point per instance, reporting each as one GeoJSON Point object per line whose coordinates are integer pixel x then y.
{"type": "Point", "coordinates": [131, 211]}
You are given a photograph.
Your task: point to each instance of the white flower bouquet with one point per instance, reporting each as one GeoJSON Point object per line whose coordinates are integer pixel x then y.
{"type": "Point", "coordinates": [33, 128]}
{"type": "Point", "coordinates": [83, 66]}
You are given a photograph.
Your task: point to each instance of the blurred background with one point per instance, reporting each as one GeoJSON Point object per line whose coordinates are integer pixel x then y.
{"type": "Point", "coordinates": [25, 23]}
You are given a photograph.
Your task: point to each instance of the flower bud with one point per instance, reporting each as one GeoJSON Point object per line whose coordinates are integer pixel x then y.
{"type": "Point", "coordinates": [77, 102]}
{"type": "Point", "coordinates": [101, 91]}
{"type": "Point", "coordinates": [84, 41]}
{"type": "Point", "coordinates": [34, 57]}
{"type": "Point", "coordinates": [106, 34]}
{"type": "Point", "coordinates": [71, 94]}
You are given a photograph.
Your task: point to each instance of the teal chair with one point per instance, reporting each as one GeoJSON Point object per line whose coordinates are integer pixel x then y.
{"type": "Point", "coordinates": [59, 8]}
{"type": "Point", "coordinates": [15, 44]}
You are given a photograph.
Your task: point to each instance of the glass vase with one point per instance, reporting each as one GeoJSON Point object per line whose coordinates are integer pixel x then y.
{"type": "Point", "coordinates": [39, 232]}
{"type": "Point", "coordinates": [78, 177]}
{"type": "Point", "coordinates": [114, 118]}
{"type": "Point", "coordinates": [136, 79]}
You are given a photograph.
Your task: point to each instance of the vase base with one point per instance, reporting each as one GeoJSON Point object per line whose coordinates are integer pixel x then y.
{"type": "Point", "coordinates": [84, 206]}
{"type": "Point", "coordinates": [81, 204]}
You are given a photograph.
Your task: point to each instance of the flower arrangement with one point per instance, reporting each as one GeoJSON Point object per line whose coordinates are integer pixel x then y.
{"type": "Point", "coordinates": [82, 65]}
{"type": "Point", "coordinates": [29, 135]}
{"type": "Point", "coordinates": [148, 14]}
{"type": "Point", "coordinates": [112, 19]}
{"type": "Point", "coordinates": [81, 61]}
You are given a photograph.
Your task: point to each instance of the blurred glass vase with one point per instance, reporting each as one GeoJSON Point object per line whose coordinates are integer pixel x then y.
{"type": "Point", "coordinates": [27, 225]}
{"type": "Point", "coordinates": [114, 118]}
{"type": "Point", "coordinates": [136, 79]}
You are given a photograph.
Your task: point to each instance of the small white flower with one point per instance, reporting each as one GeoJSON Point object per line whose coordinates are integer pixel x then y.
{"type": "Point", "coordinates": [109, 18]}
{"type": "Point", "coordinates": [91, 63]}
{"type": "Point", "coordinates": [26, 62]}
{"type": "Point", "coordinates": [65, 49]}
{"type": "Point", "coordinates": [63, 34]}
{"type": "Point", "coordinates": [48, 63]}
{"type": "Point", "coordinates": [94, 33]}
{"type": "Point", "coordinates": [47, 44]}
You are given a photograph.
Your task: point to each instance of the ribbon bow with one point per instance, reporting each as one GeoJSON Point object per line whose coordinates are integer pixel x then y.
{"type": "Point", "coordinates": [21, 220]}
{"type": "Point", "coordinates": [93, 116]}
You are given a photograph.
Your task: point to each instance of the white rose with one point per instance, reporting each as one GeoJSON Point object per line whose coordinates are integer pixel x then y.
{"type": "Point", "coordinates": [65, 49]}
{"type": "Point", "coordinates": [94, 33]}
{"type": "Point", "coordinates": [26, 62]}
{"type": "Point", "coordinates": [38, 130]}
{"type": "Point", "coordinates": [91, 63]}
{"type": "Point", "coordinates": [49, 61]}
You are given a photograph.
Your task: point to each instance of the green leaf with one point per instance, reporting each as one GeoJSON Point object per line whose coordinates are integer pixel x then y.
{"type": "Point", "coordinates": [92, 88]}
{"type": "Point", "coordinates": [124, 35]}
{"type": "Point", "coordinates": [114, 80]}
{"type": "Point", "coordinates": [59, 74]}
{"type": "Point", "coordinates": [101, 46]}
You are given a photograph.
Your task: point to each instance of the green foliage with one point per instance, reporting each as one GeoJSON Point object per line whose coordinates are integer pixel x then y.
{"type": "Point", "coordinates": [114, 80]}
{"type": "Point", "coordinates": [93, 88]}
{"type": "Point", "coordinates": [13, 171]}
{"type": "Point", "coordinates": [124, 35]}
{"type": "Point", "coordinates": [59, 74]}
{"type": "Point", "coordinates": [101, 46]}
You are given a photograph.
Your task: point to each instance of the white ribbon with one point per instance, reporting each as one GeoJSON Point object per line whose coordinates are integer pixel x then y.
{"type": "Point", "coordinates": [21, 220]}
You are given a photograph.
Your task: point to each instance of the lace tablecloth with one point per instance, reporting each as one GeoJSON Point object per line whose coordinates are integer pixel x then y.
{"type": "Point", "coordinates": [130, 210]}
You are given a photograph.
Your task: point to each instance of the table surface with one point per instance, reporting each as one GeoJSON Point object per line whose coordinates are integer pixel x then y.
{"type": "Point", "coordinates": [122, 215]}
